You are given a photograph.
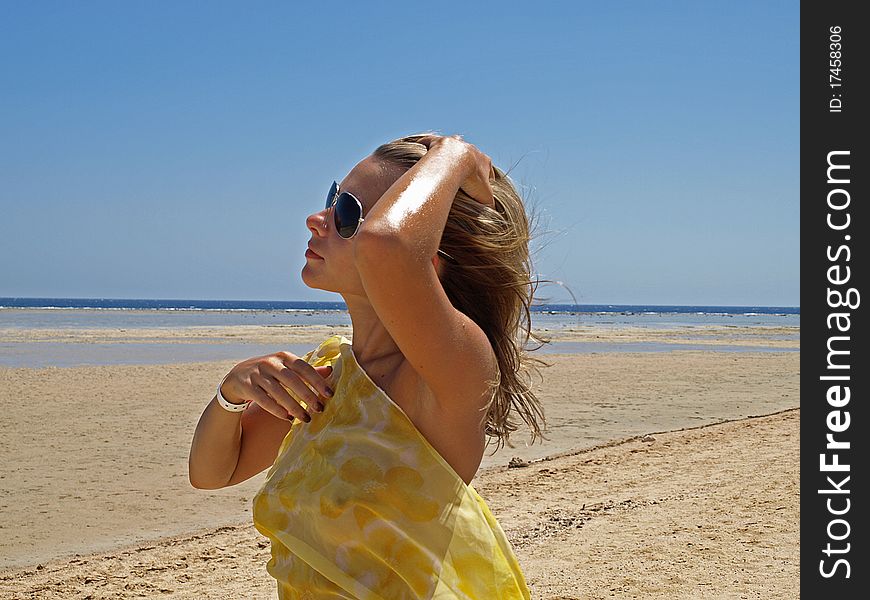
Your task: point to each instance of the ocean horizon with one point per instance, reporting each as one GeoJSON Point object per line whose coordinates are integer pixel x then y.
{"type": "Point", "coordinates": [134, 313]}
{"type": "Point", "coordinates": [294, 305]}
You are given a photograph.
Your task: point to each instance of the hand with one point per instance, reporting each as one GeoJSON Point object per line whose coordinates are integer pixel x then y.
{"type": "Point", "coordinates": [478, 184]}
{"type": "Point", "coordinates": [275, 381]}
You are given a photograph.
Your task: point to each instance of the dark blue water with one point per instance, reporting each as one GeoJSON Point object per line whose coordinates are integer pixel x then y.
{"type": "Point", "coordinates": [145, 303]}
{"type": "Point", "coordinates": [269, 305]}
{"type": "Point", "coordinates": [148, 313]}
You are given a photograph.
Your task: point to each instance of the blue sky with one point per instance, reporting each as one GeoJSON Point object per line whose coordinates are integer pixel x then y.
{"type": "Point", "coordinates": [174, 149]}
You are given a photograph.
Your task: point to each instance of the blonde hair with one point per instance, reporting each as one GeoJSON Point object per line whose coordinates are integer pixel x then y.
{"type": "Point", "coordinates": [489, 279]}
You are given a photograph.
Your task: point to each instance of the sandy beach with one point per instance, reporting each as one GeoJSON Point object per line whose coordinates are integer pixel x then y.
{"type": "Point", "coordinates": [96, 503]}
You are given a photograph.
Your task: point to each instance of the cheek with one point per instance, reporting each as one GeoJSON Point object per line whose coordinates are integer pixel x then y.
{"type": "Point", "coordinates": [339, 260]}
{"type": "Point", "coordinates": [344, 267]}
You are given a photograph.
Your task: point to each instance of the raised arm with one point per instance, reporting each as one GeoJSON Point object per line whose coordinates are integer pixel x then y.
{"type": "Point", "coordinates": [394, 252]}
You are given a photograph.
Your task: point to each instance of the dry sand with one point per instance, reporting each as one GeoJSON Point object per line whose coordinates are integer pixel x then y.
{"type": "Point", "coordinates": [100, 465]}
{"type": "Point", "coordinates": [711, 512]}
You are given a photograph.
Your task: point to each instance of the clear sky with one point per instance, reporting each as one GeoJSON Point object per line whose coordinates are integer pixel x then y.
{"type": "Point", "coordinates": [174, 149]}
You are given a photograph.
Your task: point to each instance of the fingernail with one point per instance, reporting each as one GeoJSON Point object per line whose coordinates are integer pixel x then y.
{"type": "Point", "coordinates": [329, 392]}
{"type": "Point", "coordinates": [318, 407]}
{"type": "Point", "coordinates": [307, 418]}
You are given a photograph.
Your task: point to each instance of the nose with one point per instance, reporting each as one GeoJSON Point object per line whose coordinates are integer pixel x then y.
{"type": "Point", "coordinates": [317, 222]}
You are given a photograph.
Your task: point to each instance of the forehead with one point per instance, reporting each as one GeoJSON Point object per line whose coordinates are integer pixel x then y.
{"type": "Point", "coordinates": [369, 179]}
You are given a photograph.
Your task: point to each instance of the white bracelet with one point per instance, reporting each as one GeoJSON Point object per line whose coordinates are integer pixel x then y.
{"type": "Point", "coordinates": [229, 405]}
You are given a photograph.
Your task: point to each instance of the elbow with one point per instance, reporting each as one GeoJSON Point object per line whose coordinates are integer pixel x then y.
{"type": "Point", "coordinates": [204, 485]}
{"type": "Point", "coordinates": [197, 481]}
{"type": "Point", "coordinates": [370, 241]}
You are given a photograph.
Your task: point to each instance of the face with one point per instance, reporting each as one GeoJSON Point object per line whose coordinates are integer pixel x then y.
{"type": "Point", "coordinates": [334, 269]}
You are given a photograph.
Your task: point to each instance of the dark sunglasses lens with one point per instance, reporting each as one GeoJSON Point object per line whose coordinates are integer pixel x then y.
{"type": "Point", "coordinates": [331, 195]}
{"type": "Point", "coordinates": [347, 215]}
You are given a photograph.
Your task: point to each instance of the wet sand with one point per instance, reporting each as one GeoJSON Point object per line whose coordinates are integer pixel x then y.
{"type": "Point", "coordinates": [786, 337]}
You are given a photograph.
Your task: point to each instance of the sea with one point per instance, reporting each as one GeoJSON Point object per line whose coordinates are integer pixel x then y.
{"type": "Point", "coordinates": [132, 314]}
{"type": "Point", "coordinates": [54, 313]}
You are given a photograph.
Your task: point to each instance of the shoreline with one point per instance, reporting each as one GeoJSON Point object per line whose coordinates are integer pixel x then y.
{"type": "Point", "coordinates": [783, 336]}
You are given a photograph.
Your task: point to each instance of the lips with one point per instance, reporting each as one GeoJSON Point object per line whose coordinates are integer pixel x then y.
{"type": "Point", "coordinates": [312, 253]}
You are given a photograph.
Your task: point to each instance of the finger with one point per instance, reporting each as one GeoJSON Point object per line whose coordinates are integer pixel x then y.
{"type": "Point", "coordinates": [427, 140]}
{"type": "Point", "coordinates": [290, 395]}
{"type": "Point", "coordinates": [293, 368]}
{"type": "Point", "coordinates": [324, 371]}
{"type": "Point", "coordinates": [487, 184]}
{"type": "Point", "coordinates": [269, 405]}
{"type": "Point", "coordinates": [300, 392]}
{"type": "Point", "coordinates": [480, 191]}
{"type": "Point", "coordinates": [280, 395]}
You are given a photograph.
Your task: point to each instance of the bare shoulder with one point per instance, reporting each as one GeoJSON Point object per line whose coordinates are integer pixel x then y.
{"type": "Point", "coordinates": [450, 402]}
{"type": "Point", "coordinates": [453, 426]}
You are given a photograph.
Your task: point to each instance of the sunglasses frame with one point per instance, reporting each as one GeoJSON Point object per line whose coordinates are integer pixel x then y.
{"type": "Point", "coordinates": [332, 200]}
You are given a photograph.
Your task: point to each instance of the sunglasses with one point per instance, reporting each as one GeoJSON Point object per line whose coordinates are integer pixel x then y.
{"type": "Point", "coordinates": [347, 214]}
{"type": "Point", "coordinates": [346, 211]}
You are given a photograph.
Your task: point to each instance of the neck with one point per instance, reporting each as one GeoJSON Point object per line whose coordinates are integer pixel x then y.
{"type": "Point", "coordinates": [372, 342]}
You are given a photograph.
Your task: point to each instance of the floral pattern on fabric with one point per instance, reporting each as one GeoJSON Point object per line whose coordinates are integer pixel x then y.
{"type": "Point", "coordinates": [358, 504]}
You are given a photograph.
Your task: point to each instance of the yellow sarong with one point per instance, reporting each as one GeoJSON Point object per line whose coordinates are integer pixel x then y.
{"type": "Point", "coordinates": [358, 504]}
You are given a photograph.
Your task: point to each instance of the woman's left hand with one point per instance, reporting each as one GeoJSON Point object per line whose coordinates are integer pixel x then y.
{"type": "Point", "coordinates": [478, 183]}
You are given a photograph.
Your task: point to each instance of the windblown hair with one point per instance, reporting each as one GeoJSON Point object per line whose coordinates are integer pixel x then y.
{"type": "Point", "coordinates": [489, 279]}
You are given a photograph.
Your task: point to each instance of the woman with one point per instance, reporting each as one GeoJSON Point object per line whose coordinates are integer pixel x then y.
{"type": "Point", "coordinates": [373, 444]}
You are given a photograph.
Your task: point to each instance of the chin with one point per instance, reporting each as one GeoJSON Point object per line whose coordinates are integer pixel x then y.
{"type": "Point", "coordinates": [311, 281]}
{"type": "Point", "coordinates": [306, 279]}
